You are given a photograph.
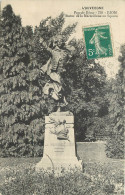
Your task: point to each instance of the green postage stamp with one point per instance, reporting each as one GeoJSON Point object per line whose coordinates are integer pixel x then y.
{"type": "Point", "coordinates": [98, 41]}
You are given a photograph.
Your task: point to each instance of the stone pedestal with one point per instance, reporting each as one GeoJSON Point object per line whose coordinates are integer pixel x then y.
{"type": "Point", "coordinates": [59, 152]}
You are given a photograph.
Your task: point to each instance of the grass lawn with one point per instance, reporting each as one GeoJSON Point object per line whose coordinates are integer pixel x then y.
{"type": "Point", "coordinates": [101, 175]}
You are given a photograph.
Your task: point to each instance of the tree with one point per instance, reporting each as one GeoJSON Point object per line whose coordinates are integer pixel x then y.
{"type": "Point", "coordinates": [13, 87]}
{"type": "Point", "coordinates": [115, 144]}
{"type": "Point", "coordinates": [17, 103]}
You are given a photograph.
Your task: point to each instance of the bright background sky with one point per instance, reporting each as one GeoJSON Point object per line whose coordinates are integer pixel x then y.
{"type": "Point", "coordinates": [33, 11]}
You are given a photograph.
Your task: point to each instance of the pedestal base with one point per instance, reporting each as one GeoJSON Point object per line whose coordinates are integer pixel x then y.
{"type": "Point", "coordinates": [58, 165]}
{"type": "Point", "coordinates": [59, 144]}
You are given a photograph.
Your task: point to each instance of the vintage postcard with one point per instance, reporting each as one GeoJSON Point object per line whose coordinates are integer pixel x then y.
{"type": "Point", "coordinates": [62, 69]}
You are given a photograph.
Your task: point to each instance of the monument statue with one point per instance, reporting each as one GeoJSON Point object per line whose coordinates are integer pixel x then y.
{"type": "Point", "coordinates": [54, 66]}
{"type": "Point", "coordinates": [59, 143]}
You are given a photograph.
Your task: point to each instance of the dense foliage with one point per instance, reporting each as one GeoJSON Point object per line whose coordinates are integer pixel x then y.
{"type": "Point", "coordinates": [20, 108]}
{"type": "Point", "coordinates": [115, 144]}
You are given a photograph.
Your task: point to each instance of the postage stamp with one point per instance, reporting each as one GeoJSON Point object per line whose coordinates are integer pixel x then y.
{"type": "Point", "coordinates": [98, 41]}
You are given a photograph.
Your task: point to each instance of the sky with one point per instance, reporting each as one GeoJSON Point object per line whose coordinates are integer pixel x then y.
{"type": "Point", "coordinates": [33, 11]}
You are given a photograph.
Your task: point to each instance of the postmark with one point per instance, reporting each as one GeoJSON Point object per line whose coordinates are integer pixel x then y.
{"type": "Point", "coordinates": [98, 41]}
